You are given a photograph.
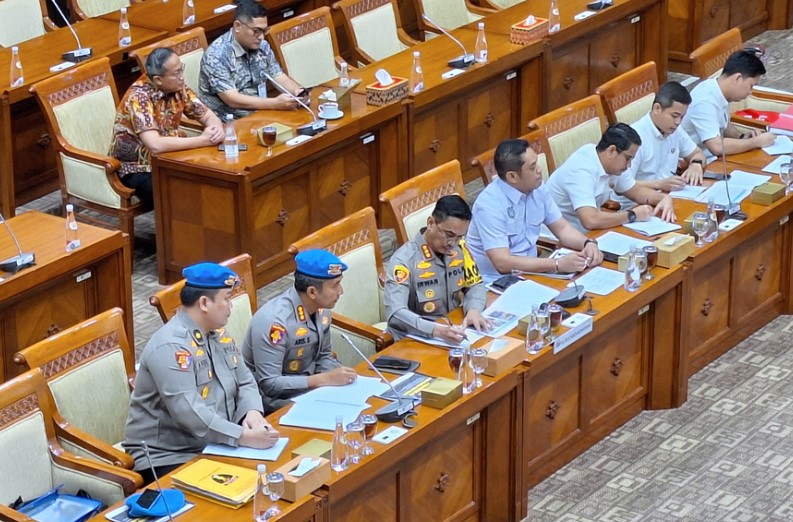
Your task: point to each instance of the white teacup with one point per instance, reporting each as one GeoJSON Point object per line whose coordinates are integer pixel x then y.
{"type": "Point", "coordinates": [330, 110]}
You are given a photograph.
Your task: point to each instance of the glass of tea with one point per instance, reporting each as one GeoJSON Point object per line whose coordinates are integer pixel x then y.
{"type": "Point", "coordinates": [455, 361]}
{"type": "Point", "coordinates": [269, 134]}
{"type": "Point", "coordinates": [369, 422]}
{"type": "Point", "coordinates": [555, 315]}
{"type": "Point", "coordinates": [651, 253]}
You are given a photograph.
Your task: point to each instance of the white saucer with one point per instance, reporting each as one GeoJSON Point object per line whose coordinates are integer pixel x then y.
{"type": "Point", "coordinates": [340, 114]}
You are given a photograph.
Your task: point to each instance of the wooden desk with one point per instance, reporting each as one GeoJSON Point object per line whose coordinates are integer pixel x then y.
{"type": "Point", "coordinates": [208, 209]}
{"type": "Point", "coordinates": [61, 289]}
{"type": "Point", "coordinates": [27, 160]}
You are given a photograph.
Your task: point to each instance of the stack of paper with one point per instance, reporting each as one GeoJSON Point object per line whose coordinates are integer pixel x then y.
{"type": "Point", "coordinates": [654, 226]}
{"type": "Point", "coordinates": [219, 482]}
{"type": "Point", "coordinates": [601, 281]}
{"type": "Point", "coordinates": [242, 452]}
{"type": "Point", "coordinates": [740, 186]}
{"type": "Point", "coordinates": [775, 167]}
{"type": "Point", "coordinates": [514, 303]}
{"type": "Point", "coordinates": [687, 192]}
{"type": "Point", "coordinates": [782, 145]}
{"type": "Point", "coordinates": [619, 244]}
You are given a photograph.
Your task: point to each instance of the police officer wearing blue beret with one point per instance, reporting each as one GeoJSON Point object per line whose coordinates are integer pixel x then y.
{"type": "Point", "coordinates": [192, 387]}
{"type": "Point", "coordinates": [287, 345]}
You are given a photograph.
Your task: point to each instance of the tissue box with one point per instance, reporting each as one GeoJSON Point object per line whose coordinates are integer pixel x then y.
{"type": "Point", "coordinates": [523, 34]}
{"type": "Point", "coordinates": [313, 448]}
{"type": "Point", "coordinates": [505, 358]}
{"type": "Point", "coordinates": [378, 95]}
{"type": "Point", "coordinates": [298, 487]}
{"type": "Point", "coordinates": [441, 392]}
{"type": "Point", "coordinates": [343, 96]}
{"type": "Point", "coordinates": [669, 256]}
{"type": "Point", "coordinates": [768, 193]}
{"type": "Point", "coordinates": [285, 133]}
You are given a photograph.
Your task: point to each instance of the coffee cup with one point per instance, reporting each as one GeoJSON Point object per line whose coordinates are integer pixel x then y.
{"type": "Point", "coordinates": [331, 110]}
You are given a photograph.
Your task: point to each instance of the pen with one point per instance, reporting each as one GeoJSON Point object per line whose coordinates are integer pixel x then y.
{"type": "Point", "coordinates": [452, 325]}
{"type": "Point", "coordinates": [586, 261]}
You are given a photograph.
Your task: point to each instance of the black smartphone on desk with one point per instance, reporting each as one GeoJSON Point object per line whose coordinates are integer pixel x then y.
{"type": "Point", "coordinates": [718, 176]}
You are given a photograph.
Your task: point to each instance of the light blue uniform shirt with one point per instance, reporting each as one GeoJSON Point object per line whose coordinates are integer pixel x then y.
{"type": "Point", "coordinates": [504, 217]}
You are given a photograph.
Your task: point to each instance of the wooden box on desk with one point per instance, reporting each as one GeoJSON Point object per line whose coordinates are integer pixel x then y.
{"type": "Point", "coordinates": [379, 95]}
{"type": "Point", "coordinates": [343, 96]}
{"type": "Point", "coordinates": [298, 487]}
{"type": "Point", "coordinates": [313, 448]}
{"type": "Point", "coordinates": [522, 34]}
{"type": "Point", "coordinates": [441, 392]}
{"type": "Point", "coordinates": [508, 357]}
{"type": "Point", "coordinates": [768, 193]}
{"type": "Point", "coordinates": [669, 256]}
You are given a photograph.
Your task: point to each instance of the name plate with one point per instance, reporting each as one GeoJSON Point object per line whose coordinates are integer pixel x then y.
{"type": "Point", "coordinates": [581, 326]}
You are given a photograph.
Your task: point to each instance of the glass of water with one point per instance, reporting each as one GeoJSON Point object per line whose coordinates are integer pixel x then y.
{"type": "Point", "coordinates": [699, 225]}
{"type": "Point", "coordinates": [786, 175]}
{"type": "Point", "coordinates": [355, 440]}
{"type": "Point", "coordinates": [479, 356]}
{"type": "Point", "coordinates": [276, 483]}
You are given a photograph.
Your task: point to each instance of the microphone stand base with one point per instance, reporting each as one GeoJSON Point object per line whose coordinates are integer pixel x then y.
{"type": "Point", "coordinates": [739, 215]}
{"type": "Point", "coordinates": [393, 412]}
{"type": "Point", "coordinates": [313, 128]}
{"type": "Point", "coordinates": [12, 265]}
{"type": "Point", "coordinates": [78, 55]}
{"type": "Point", "coordinates": [462, 62]}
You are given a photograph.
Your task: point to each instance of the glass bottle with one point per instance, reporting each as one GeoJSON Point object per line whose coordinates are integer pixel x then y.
{"type": "Point", "coordinates": [344, 75]}
{"type": "Point", "coordinates": [72, 237]}
{"type": "Point", "coordinates": [554, 20]}
{"type": "Point", "coordinates": [480, 48]}
{"type": "Point", "coordinates": [467, 375]}
{"type": "Point", "coordinates": [632, 273]}
{"type": "Point", "coordinates": [230, 144]}
{"type": "Point", "coordinates": [261, 499]}
{"type": "Point", "coordinates": [188, 12]}
{"type": "Point", "coordinates": [416, 74]}
{"type": "Point", "coordinates": [124, 34]}
{"type": "Point", "coordinates": [17, 78]}
{"type": "Point", "coordinates": [533, 333]}
{"type": "Point", "coordinates": [338, 451]}
{"type": "Point", "coordinates": [712, 233]}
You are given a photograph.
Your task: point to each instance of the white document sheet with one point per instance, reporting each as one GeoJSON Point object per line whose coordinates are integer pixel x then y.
{"type": "Point", "coordinates": [619, 244]}
{"type": "Point", "coordinates": [775, 166]}
{"type": "Point", "coordinates": [356, 392]}
{"type": "Point", "coordinates": [320, 415]}
{"type": "Point", "coordinates": [470, 333]}
{"type": "Point", "coordinates": [741, 185]}
{"type": "Point", "coordinates": [516, 302]}
{"type": "Point", "coordinates": [248, 453]}
{"type": "Point", "coordinates": [782, 145]}
{"type": "Point", "coordinates": [687, 192]}
{"type": "Point", "coordinates": [601, 281]}
{"type": "Point", "coordinates": [654, 226]}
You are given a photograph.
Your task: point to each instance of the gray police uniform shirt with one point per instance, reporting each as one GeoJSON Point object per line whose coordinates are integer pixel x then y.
{"type": "Point", "coordinates": [190, 390]}
{"type": "Point", "coordinates": [422, 286]}
{"type": "Point", "coordinates": [284, 345]}
{"type": "Point", "coordinates": [226, 65]}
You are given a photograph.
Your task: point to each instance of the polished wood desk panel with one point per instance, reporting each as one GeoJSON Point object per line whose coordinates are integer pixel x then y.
{"type": "Point", "coordinates": [208, 209]}
{"type": "Point", "coordinates": [586, 54]}
{"type": "Point", "coordinates": [61, 289]}
{"type": "Point", "coordinates": [27, 159]}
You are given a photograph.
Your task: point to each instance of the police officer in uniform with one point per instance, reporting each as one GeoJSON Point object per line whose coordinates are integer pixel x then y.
{"type": "Point", "coordinates": [287, 345]}
{"type": "Point", "coordinates": [192, 387]}
{"type": "Point", "coordinates": [433, 274]}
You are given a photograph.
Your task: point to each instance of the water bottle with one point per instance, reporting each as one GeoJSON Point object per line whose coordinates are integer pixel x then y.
{"type": "Point", "coordinates": [338, 451]}
{"type": "Point", "coordinates": [632, 273]}
{"type": "Point", "coordinates": [261, 499]}
{"type": "Point", "coordinates": [533, 333]}
{"type": "Point", "coordinates": [230, 144]}
{"type": "Point", "coordinates": [124, 34]}
{"type": "Point", "coordinates": [344, 75]}
{"type": "Point", "coordinates": [467, 375]}
{"type": "Point", "coordinates": [17, 78]}
{"type": "Point", "coordinates": [712, 233]}
{"type": "Point", "coordinates": [188, 12]}
{"type": "Point", "coordinates": [72, 238]}
{"type": "Point", "coordinates": [416, 74]}
{"type": "Point", "coordinates": [554, 20]}
{"type": "Point", "coordinates": [480, 49]}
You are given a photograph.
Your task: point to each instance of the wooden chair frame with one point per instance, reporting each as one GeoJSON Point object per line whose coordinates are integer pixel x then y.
{"type": "Point", "coordinates": [167, 301]}
{"type": "Point", "coordinates": [351, 9]}
{"type": "Point", "coordinates": [62, 88]}
{"type": "Point", "coordinates": [627, 88]}
{"type": "Point", "coordinates": [72, 348]}
{"type": "Point", "coordinates": [425, 26]}
{"type": "Point", "coordinates": [340, 237]}
{"type": "Point", "coordinates": [418, 192]}
{"type": "Point", "coordinates": [28, 393]}
{"type": "Point", "coordinates": [487, 169]}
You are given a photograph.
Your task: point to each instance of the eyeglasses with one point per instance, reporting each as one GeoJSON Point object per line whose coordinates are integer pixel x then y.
{"type": "Point", "coordinates": [176, 74]}
{"type": "Point", "coordinates": [258, 32]}
{"type": "Point", "coordinates": [450, 237]}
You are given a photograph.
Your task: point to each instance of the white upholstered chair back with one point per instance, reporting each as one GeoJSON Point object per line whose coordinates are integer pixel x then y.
{"type": "Point", "coordinates": [94, 8]}
{"type": "Point", "coordinates": [376, 32]}
{"type": "Point", "coordinates": [240, 318]}
{"type": "Point", "coordinates": [449, 14]}
{"type": "Point", "coordinates": [20, 20]}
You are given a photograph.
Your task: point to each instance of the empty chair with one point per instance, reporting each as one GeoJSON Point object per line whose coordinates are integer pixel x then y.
{"type": "Point", "coordinates": [373, 28]}
{"type": "Point", "coordinates": [83, 9]}
{"type": "Point", "coordinates": [22, 20]}
{"type": "Point", "coordinates": [630, 95]}
{"type": "Point", "coordinates": [449, 14]}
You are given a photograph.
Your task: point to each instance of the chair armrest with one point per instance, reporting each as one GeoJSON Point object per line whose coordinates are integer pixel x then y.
{"type": "Point", "coordinates": [9, 515]}
{"type": "Point", "coordinates": [380, 339]}
{"type": "Point", "coordinates": [129, 481]}
{"type": "Point", "coordinates": [91, 444]}
{"type": "Point", "coordinates": [482, 11]}
{"type": "Point", "coordinates": [748, 122]}
{"type": "Point", "coordinates": [49, 25]}
{"type": "Point", "coordinates": [406, 38]}
{"type": "Point", "coordinates": [339, 60]}
{"type": "Point", "coordinates": [111, 166]}
{"type": "Point", "coordinates": [361, 57]}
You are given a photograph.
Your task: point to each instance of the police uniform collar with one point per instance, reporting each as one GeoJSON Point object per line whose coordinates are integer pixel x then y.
{"type": "Point", "coordinates": [297, 305]}
{"type": "Point", "coordinates": [424, 248]}
{"type": "Point", "coordinates": [192, 328]}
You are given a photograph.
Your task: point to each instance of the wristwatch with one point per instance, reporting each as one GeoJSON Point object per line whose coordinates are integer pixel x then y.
{"type": "Point", "coordinates": [631, 216]}
{"type": "Point", "coordinates": [697, 161]}
{"type": "Point", "coordinates": [589, 240]}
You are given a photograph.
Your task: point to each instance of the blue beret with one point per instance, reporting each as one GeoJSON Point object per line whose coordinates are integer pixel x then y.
{"type": "Point", "coordinates": [320, 264]}
{"type": "Point", "coordinates": [210, 275]}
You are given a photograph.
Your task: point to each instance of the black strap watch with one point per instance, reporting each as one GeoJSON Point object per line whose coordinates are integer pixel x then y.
{"type": "Point", "coordinates": [697, 161]}
{"type": "Point", "coordinates": [631, 216]}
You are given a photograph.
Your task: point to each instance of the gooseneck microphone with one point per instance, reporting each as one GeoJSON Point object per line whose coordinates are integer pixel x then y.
{"type": "Point", "coordinates": [461, 62]}
{"type": "Point", "coordinates": [14, 264]}
{"type": "Point", "coordinates": [156, 479]}
{"type": "Point", "coordinates": [394, 411]}
{"type": "Point", "coordinates": [309, 129]}
{"type": "Point", "coordinates": [79, 54]}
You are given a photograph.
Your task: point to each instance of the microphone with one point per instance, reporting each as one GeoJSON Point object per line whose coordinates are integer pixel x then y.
{"type": "Point", "coordinates": [461, 62]}
{"type": "Point", "coordinates": [309, 129]}
{"type": "Point", "coordinates": [394, 411]}
{"type": "Point", "coordinates": [79, 54]}
{"type": "Point", "coordinates": [156, 479]}
{"type": "Point", "coordinates": [733, 209]}
{"type": "Point", "coordinates": [12, 265]}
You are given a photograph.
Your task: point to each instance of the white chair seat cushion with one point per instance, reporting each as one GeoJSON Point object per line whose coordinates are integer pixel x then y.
{"type": "Point", "coordinates": [633, 111]}
{"type": "Point", "coordinates": [192, 67]}
{"type": "Point", "coordinates": [417, 220]}
{"type": "Point", "coordinates": [20, 20]}
{"type": "Point", "coordinates": [567, 142]}
{"type": "Point", "coordinates": [346, 355]}
{"type": "Point", "coordinates": [73, 481]}
{"type": "Point", "coordinates": [240, 318]}
{"type": "Point", "coordinates": [360, 300]}
{"type": "Point", "coordinates": [89, 182]}
{"type": "Point", "coordinates": [25, 468]}
{"type": "Point", "coordinates": [310, 60]}
{"type": "Point", "coordinates": [376, 32]}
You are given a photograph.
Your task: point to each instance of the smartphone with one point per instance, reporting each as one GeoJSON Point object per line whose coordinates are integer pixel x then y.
{"type": "Point", "coordinates": [147, 499]}
{"type": "Point", "coordinates": [718, 176]}
{"type": "Point", "coordinates": [243, 147]}
{"type": "Point", "coordinates": [305, 93]}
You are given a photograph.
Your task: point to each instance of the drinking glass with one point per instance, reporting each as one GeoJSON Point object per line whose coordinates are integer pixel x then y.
{"type": "Point", "coordinates": [355, 440]}
{"type": "Point", "coordinates": [455, 361]}
{"type": "Point", "coordinates": [369, 422]}
{"type": "Point", "coordinates": [269, 134]}
{"type": "Point", "coordinates": [720, 210]}
{"type": "Point", "coordinates": [786, 175]}
{"type": "Point", "coordinates": [651, 253]}
{"type": "Point", "coordinates": [699, 226]}
{"type": "Point", "coordinates": [641, 264]}
{"type": "Point", "coordinates": [555, 314]}
{"type": "Point", "coordinates": [544, 322]}
{"type": "Point", "coordinates": [276, 482]}
{"type": "Point", "coordinates": [479, 356]}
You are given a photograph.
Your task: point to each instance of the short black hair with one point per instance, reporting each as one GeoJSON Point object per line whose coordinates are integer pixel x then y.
{"type": "Point", "coordinates": [303, 281]}
{"type": "Point", "coordinates": [621, 135]}
{"type": "Point", "coordinates": [509, 156]}
{"type": "Point", "coordinates": [247, 10]}
{"type": "Point", "coordinates": [190, 295]}
{"type": "Point", "coordinates": [155, 62]}
{"type": "Point", "coordinates": [671, 93]}
{"type": "Point", "coordinates": [744, 63]}
{"type": "Point", "coordinates": [451, 206]}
